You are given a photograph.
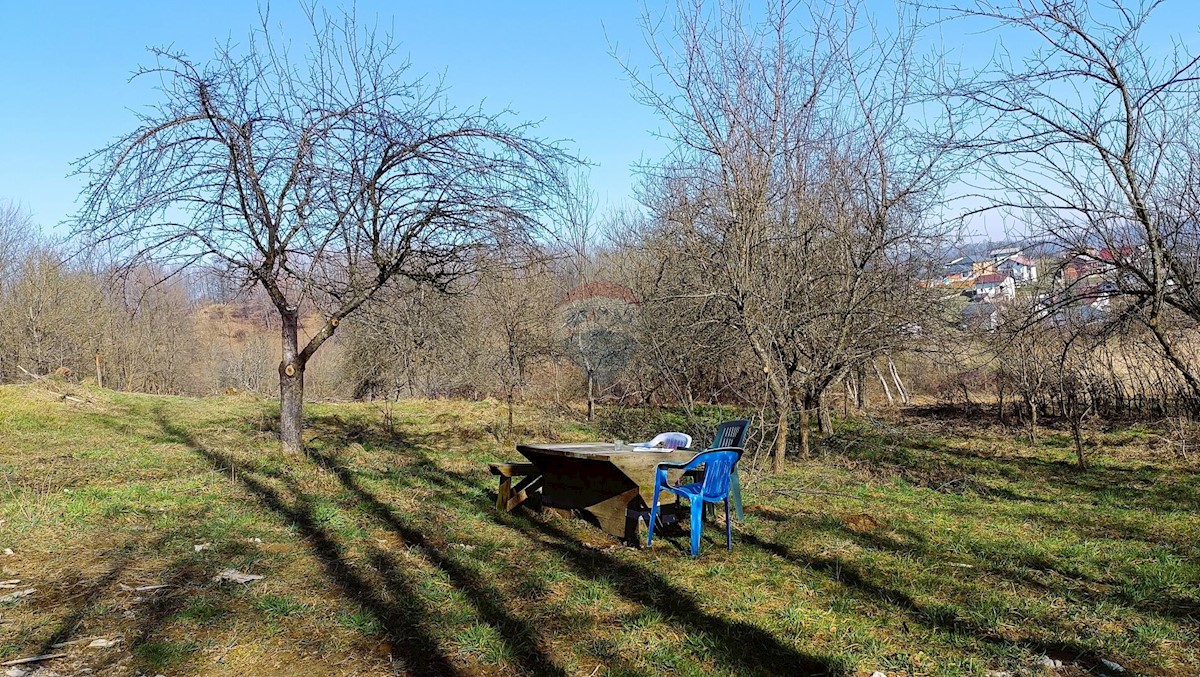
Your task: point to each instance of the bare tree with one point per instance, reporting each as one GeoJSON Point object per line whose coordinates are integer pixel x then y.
{"type": "Point", "coordinates": [17, 235]}
{"type": "Point", "coordinates": [1091, 135]}
{"type": "Point", "coordinates": [1026, 358]}
{"type": "Point", "coordinates": [597, 318]}
{"type": "Point", "coordinates": [411, 340]}
{"type": "Point", "coordinates": [318, 178]}
{"type": "Point", "coordinates": [686, 342]}
{"type": "Point", "coordinates": [513, 311]}
{"type": "Point", "coordinates": [51, 316]}
{"type": "Point", "coordinates": [799, 184]}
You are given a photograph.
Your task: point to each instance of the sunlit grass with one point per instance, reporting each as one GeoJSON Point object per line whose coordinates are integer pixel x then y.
{"type": "Point", "coordinates": [925, 548]}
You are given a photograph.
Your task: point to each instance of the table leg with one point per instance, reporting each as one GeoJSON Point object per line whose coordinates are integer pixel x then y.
{"type": "Point", "coordinates": [613, 515]}
{"type": "Point", "coordinates": [504, 492]}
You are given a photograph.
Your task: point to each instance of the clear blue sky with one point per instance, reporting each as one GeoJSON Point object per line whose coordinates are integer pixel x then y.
{"type": "Point", "coordinates": [64, 80]}
{"type": "Point", "coordinates": [64, 87]}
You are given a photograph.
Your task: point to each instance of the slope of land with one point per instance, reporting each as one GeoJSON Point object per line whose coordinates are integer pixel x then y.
{"type": "Point", "coordinates": [913, 549]}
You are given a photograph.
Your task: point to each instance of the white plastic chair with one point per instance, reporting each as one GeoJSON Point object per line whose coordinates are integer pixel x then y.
{"type": "Point", "coordinates": [671, 441]}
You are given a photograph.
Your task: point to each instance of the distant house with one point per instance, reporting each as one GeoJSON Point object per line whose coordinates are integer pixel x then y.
{"type": "Point", "coordinates": [1001, 254]}
{"type": "Point", "coordinates": [602, 302]}
{"type": "Point", "coordinates": [1096, 297]}
{"type": "Point", "coordinates": [966, 268]}
{"type": "Point", "coordinates": [1021, 269]}
{"type": "Point", "coordinates": [957, 270]}
{"type": "Point", "coordinates": [1078, 265]}
{"type": "Point", "coordinates": [980, 315]}
{"type": "Point", "coordinates": [995, 286]}
{"type": "Point", "coordinates": [1115, 255]}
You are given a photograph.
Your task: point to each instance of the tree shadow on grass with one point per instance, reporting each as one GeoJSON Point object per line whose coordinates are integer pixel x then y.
{"type": "Point", "coordinates": [923, 459]}
{"type": "Point", "coordinates": [149, 607]}
{"type": "Point", "coordinates": [740, 646]}
{"type": "Point", "coordinates": [935, 617]}
{"type": "Point", "coordinates": [488, 601]}
{"type": "Point", "coordinates": [92, 592]}
{"type": "Point", "coordinates": [395, 606]}
{"type": "Point", "coordinates": [399, 611]}
{"type": "Point", "coordinates": [745, 648]}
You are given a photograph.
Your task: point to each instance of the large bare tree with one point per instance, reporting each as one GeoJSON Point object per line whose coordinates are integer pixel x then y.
{"type": "Point", "coordinates": [1090, 135]}
{"type": "Point", "coordinates": [317, 178]}
{"type": "Point", "coordinates": [798, 184]}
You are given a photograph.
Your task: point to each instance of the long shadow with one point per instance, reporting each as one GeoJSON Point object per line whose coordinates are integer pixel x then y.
{"type": "Point", "coordinates": [1120, 482]}
{"type": "Point", "coordinates": [151, 615]}
{"type": "Point", "coordinates": [488, 601]}
{"type": "Point", "coordinates": [745, 648]}
{"type": "Point", "coordinates": [934, 618]}
{"type": "Point", "coordinates": [1075, 584]}
{"type": "Point", "coordinates": [92, 593]}
{"type": "Point", "coordinates": [400, 618]}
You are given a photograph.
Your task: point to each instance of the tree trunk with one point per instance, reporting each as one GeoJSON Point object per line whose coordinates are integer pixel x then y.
{"type": "Point", "coordinates": [781, 436]}
{"type": "Point", "coordinates": [1077, 435]}
{"type": "Point", "coordinates": [804, 431]}
{"type": "Point", "coordinates": [882, 381]}
{"type": "Point", "coordinates": [824, 417]}
{"type": "Point", "coordinates": [860, 377]}
{"type": "Point", "coordinates": [509, 401]}
{"type": "Point", "coordinates": [1032, 422]}
{"type": "Point", "coordinates": [291, 386]}
{"type": "Point", "coordinates": [901, 391]}
{"type": "Point", "coordinates": [591, 397]}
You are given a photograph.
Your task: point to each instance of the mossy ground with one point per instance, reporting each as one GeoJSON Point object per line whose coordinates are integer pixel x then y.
{"type": "Point", "coordinates": [909, 547]}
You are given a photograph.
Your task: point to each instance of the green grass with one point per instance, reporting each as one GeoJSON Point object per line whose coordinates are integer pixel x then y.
{"type": "Point", "coordinates": [360, 621]}
{"type": "Point", "coordinates": [159, 655]}
{"type": "Point", "coordinates": [942, 547]}
{"type": "Point", "coordinates": [279, 606]}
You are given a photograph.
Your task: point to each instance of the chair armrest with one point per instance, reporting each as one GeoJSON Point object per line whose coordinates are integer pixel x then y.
{"type": "Point", "coordinates": [696, 460]}
{"type": "Point", "coordinates": [660, 473]}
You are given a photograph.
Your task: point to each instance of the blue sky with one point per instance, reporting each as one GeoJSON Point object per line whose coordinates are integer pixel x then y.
{"type": "Point", "coordinates": [65, 90]}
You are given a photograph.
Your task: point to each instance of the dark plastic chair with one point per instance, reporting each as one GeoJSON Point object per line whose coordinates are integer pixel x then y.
{"type": "Point", "coordinates": [729, 434]}
{"type": "Point", "coordinates": [718, 469]}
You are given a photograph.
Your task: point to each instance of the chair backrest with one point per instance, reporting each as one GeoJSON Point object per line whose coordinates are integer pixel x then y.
{"type": "Point", "coordinates": [718, 466]}
{"type": "Point", "coordinates": [730, 434]}
{"type": "Point", "coordinates": [672, 440]}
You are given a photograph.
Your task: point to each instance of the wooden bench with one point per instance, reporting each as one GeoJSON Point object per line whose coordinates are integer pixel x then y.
{"type": "Point", "coordinates": [508, 496]}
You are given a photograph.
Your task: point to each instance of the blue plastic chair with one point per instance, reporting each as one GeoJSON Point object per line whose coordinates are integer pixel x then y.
{"type": "Point", "coordinates": [718, 467]}
{"type": "Point", "coordinates": [729, 434]}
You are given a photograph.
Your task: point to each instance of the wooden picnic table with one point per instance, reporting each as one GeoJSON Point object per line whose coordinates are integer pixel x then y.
{"type": "Point", "coordinates": [615, 487]}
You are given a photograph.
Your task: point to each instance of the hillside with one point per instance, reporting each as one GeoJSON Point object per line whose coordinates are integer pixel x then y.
{"type": "Point", "coordinates": [928, 548]}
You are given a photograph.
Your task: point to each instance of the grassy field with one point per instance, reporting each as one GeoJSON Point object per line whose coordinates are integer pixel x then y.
{"type": "Point", "coordinates": [910, 547]}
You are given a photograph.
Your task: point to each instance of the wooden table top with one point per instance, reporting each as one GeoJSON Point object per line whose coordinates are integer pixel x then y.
{"type": "Point", "coordinates": [607, 451]}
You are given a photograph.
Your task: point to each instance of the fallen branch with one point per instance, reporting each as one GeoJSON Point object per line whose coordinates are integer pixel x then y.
{"type": "Point", "coordinates": [30, 375]}
{"type": "Point", "coordinates": [73, 642]}
{"type": "Point", "coordinates": [13, 596]}
{"type": "Point", "coordinates": [34, 659]}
